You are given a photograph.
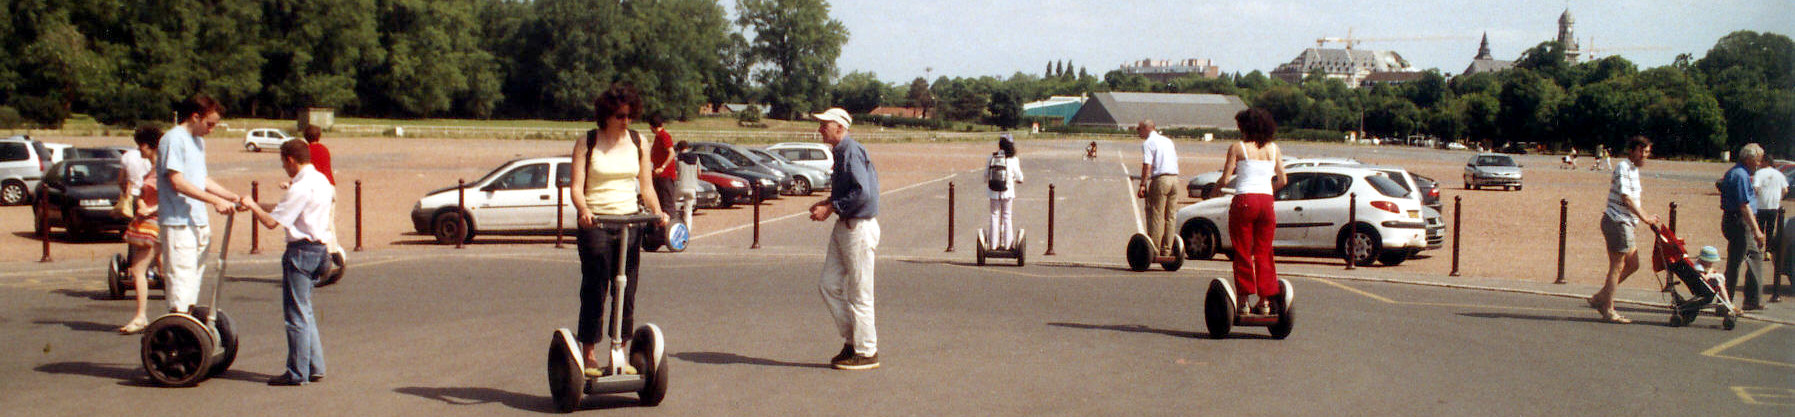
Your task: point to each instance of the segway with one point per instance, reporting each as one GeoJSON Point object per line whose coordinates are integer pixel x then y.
{"type": "Point", "coordinates": [184, 349]}
{"type": "Point", "coordinates": [673, 237]}
{"type": "Point", "coordinates": [333, 272]}
{"type": "Point", "coordinates": [118, 275]}
{"type": "Point", "coordinates": [646, 352]}
{"type": "Point", "coordinates": [1221, 317]}
{"type": "Point", "coordinates": [1019, 252]}
{"type": "Point", "coordinates": [1142, 254]}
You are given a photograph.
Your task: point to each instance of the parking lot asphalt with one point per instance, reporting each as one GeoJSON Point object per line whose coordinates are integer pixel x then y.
{"type": "Point", "coordinates": [439, 331]}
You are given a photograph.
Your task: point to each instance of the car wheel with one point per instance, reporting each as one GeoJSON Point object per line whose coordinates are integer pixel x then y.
{"type": "Point", "coordinates": [251, 146]}
{"type": "Point", "coordinates": [1517, 187]}
{"type": "Point", "coordinates": [1200, 241]}
{"type": "Point", "coordinates": [1362, 248]}
{"type": "Point", "coordinates": [12, 193]}
{"type": "Point", "coordinates": [800, 186]}
{"type": "Point", "coordinates": [448, 225]}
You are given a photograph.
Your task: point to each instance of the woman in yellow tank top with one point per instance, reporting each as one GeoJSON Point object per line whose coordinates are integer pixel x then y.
{"type": "Point", "coordinates": [610, 175]}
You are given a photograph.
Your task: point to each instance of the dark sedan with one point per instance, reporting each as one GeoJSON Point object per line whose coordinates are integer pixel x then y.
{"type": "Point", "coordinates": [79, 195]}
{"type": "Point", "coordinates": [767, 184]}
{"type": "Point", "coordinates": [741, 158]}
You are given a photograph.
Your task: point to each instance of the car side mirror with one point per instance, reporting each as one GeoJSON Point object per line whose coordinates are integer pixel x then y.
{"type": "Point", "coordinates": [1469, 165]}
{"type": "Point", "coordinates": [490, 187]}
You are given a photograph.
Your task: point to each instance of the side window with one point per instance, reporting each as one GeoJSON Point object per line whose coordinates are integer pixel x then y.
{"type": "Point", "coordinates": [13, 151]}
{"type": "Point", "coordinates": [526, 177]}
{"type": "Point", "coordinates": [793, 154]}
{"type": "Point", "coordinates": [1329, 186]}
{"type": "Point", "coordinates": [1295, 189]}
{"type": "Point", "coordinates": [564, 174]}
{"type": "Point", "coordinates": [816, 155]}
{"type": "Point", "coordinates": [739, 159]}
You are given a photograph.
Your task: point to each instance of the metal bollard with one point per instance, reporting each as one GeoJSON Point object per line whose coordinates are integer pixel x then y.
{"type": "Point", "coordinates": [43, 226]}
{"type": "Point", "coordinates": [1457, 225]}
{"type": "Point", "coordinates": [1352, 222]}
{"type": "Point", "coordinates": [1564, 210]}
{"type": "Point", "coordinates": [560, 213]}
{"type": "Point", "coordinates": [461, 207]}
{"type": "Point", "coordinates": [1050, 200]}
{"type": "Point", "coordinates": [757, 201]}
{"type": "Point", "coordinates": [255, 233]}
{"type": "Point", "coordinates": [1673, 217]}
{"type": "Point", "coordinates": [358, 215]}
{"type": "Point", "coordinates": [950, 216]}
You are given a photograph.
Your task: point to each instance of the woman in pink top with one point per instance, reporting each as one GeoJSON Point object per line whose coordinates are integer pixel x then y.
{"type": "Point", "coordinates": [141, 233]}
{"type": "Point", "coordinates": [1251, 221]}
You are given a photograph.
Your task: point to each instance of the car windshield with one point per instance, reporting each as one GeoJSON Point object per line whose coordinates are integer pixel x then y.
{"type": "Point", "coordinates": [760, 156]}
{"type": "Point", "coordinates": [92, 173]}
{"type": "Point", "coordinates": [774, 156]}
{"type": "Point", "coordinates": [1395, 176]}
{"type": "Point", "coordinates": [1495, 161]}
{"type": "Point", "coordinates": [717, 162]}
{"type": "Point", "coordinates": [1386, 186]}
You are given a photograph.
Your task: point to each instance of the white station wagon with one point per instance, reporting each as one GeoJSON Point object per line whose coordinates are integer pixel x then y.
{"type": "Point", "coordinates": [265, 138]}
{"type": "Point", "coordinates": [1312, 214]}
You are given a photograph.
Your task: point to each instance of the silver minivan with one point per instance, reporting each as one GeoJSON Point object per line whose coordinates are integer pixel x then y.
{"type": "Point", "coordinates": [22, 164]}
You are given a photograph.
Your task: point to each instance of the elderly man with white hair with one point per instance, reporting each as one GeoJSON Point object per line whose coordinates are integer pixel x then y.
{"type": "Point", "coordinates": [1738, 221]}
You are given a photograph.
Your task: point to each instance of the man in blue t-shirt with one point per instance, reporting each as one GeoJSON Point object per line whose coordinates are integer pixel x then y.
{"type": "Point", "coordinates": [186, 190]}
{"type": "Point", "coordinates": [1738, 222]}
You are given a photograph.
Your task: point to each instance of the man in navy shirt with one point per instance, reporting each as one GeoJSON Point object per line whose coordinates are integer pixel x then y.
{"type": "Point", "coordinates": [847, 282]}
{"type": "Point", "coordinates": [1738, 222]}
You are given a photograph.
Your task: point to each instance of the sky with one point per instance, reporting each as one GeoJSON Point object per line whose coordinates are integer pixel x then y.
{"type": "Point", "coordinates": [900, 40]}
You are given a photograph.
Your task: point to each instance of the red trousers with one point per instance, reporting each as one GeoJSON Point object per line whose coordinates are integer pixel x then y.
{"type": "Point", "coordinates": [1251, 226]}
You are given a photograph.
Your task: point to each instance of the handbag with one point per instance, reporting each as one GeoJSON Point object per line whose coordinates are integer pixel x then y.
{"type": "Point", "coordinates": [126, 207]}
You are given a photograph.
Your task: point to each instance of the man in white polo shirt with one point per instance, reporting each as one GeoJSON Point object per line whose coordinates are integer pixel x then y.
{"type": "Point", "coordinates": [305, 213]}
{"type": "Point", "coordinates": [186, 190]}
{"type": "Point", "coordinates": [1159, 184]}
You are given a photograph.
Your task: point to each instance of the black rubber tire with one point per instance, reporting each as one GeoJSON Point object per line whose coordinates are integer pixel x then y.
{"type": "Point", "coordinates": [1676, 319]}
{"type": "Point", "coordinates": [115, 273]}
{"type": "Point", "coordinates": [566, 381]}
{"type": "Point", "coordinates": [1218, 313]}
{"type": "Point", "coordinates": [1140, 253]}
{"type": "Point", "coordinates": [1201, 241]}
{"type": "Point", "coordinates": [1728, 322]}
{"type": "Point", "coordinates": [1022, 250]}
{"type": "Point", "coordinates": [1177, 255]}
{"type": "Point", "coordinates": [1517, 187]}
{"type": "Point", "coordinates": [251, 146]}
{"type": "Point", "coordinates": [653, 237]}
{"type": "Point", "coordinates": [13, 193]}
{"type": "Point", "coordinates": [1371, 242]}
{"type": "Point", "coordinates": [227, 341]}
{"type": "Point", "coordinates": [1286, 314]}
{"type": "Point", "coordinates": [176, 351]}
{"type": "Point", "coordinates": [979, 250]}
{"type": "Point", "coordinates": [334, 271]}
{"type": "Point", "coordinates": [447, 224]}
{"type": "Point", "coordinates": [801, 186]}
{"type": "Point", "coordinates": [1393, 258]}
{"type": "Point", "coordinates": [654, 369]}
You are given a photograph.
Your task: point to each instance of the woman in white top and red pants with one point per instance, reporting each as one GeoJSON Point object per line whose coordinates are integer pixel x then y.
{"type": "Point", "coordinates": [1251, 221]}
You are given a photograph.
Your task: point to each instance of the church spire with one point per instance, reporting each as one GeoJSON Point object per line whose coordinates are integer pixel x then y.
{"type": "Point", "coordinates": [1483, 49]}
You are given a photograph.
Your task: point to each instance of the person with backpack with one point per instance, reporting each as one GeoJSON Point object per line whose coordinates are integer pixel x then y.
{"type": "Point", "coordinates": [615, 178]}
{"type": "Point", "coordinates": [1002, 173]}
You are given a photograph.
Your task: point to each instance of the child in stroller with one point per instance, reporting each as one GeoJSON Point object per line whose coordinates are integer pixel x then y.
{"type": "Point", "coordinates": [1704, 281]}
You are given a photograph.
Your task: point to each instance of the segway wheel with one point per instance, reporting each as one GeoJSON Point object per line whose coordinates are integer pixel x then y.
{"type": "Point", "coordinates": [566, 381]}
{"type": "Point", "coordinates": [1218, 310]}
{"type": "Point", "coordinates": [648, 354]}
{"type": "Point", "coordinates": [1676, 319]}
{"type": "Point", "coordinates": [177, 351]}
{"type": "Point", "coordinates": [677, 235]}
{"type": "Point", "coordinates": [1177, 255]}
{"type": "Point", "coordinates": [1286, 313]}
{"type": "Point", "coordinates": [334, 271]}
{"type": "Point", "coordinates": [227, 341]}
{"type": "Point", "coordinates": [115, 276]}
{"type": "Point", "coordinates": [1140, 252]}
{"type": "Point", "coordinates": [1022, 248]}
{"type": "Point", "coordinates": [652, 238]}
{"type": "Point", "coordinates": [979, 251]}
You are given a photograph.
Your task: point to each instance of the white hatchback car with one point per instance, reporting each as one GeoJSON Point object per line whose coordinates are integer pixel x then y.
{"type": "Point", "coordinates": [814, 155]}
{"type": "Point", "coordinates": [265, 138]}
{"type": "Point", "coordinates": [515, 198]}
{"type": "Point", "coordinates": [1312, 214]}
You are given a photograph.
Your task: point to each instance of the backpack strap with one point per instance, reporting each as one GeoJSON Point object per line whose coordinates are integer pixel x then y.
{"type": "Point", "coordinates": [592, 141]}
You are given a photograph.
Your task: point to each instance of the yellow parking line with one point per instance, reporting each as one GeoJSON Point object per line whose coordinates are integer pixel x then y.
{"type": "Point", "coordinates": [1715, 352]}
{"type": "Point", "coordinates": [1356, 291]}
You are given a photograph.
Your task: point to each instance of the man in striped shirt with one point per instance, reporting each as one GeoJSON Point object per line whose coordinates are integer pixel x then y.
{"type": "Point", "coordinates": [1619, 219]}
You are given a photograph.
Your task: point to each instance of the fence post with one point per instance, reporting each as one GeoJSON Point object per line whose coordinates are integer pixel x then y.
{"type": "Point", "coordinates": [43, 225]}
{"type": "Point", "coordinates": [255, 233]}
{"type": "Point", "coordinates": [560, 213]}
{"type": "Point", "coordinates": [1564, 209]}
{"type": "Point", "coordinates": [461, 208]}
{"type": "Point", "coordinates": [755, 188]}
{"type": "Point", "coordinates": [1673, 217]}
{"type": "Point", "coordinates": [1457, 225]}
{"type": "Point", "coordinates": [1050, 201]}
{"type": "Point", "coordinates": [1352, 224]}
{"type": "Point", "coordinates": [358, 215]}
{"type": "Point", "coordinates": [950, 216]}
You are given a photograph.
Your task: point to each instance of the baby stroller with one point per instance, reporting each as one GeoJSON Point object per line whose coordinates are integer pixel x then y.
{"type": "Point", "coordinates": [1668, 254]}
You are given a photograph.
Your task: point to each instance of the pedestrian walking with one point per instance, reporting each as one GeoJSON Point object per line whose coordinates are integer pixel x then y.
{"type": "Point", "coordinates": [1739, 223]}
{"type": "Point", "coordinates": [305, 214]}
{"type": "Point", "coordinates": [666, 170]}
{"type": "Point", "coordinates": [1620, 217]}
{"type": "Point", "coordinates": [140, 234]}
{"type": "Point", "coordinates": [614, 177]}
{"type": "Point", "coordinates": [686, 181]}
{"type": "Point", "coordinates": [1159, 184]}
{"type": "Point", "coordinates": [184, 190]}
{"type": "Point", "coordinates": [847, 280]}
{"type": "Point", "coordinates": [1252, 224]}
{"type": "Point", "coordinates": [1003, 172]}
{"type": "Point", "coordinates": [1771, 185]}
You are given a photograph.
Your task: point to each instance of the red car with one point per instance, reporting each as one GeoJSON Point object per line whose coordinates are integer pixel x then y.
{"type": "Point", "coordinates": [731, 188]}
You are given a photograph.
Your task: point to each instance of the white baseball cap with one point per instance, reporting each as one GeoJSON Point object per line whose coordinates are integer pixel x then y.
{"type": "Point", "coordinates": [836, 115]}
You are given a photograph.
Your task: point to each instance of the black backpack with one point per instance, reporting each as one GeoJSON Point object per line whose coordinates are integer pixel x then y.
{"type": "Point", "coordinates": [997, 173]}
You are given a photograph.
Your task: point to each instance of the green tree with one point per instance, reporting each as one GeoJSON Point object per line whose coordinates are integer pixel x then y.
{"type": "Point", "coordinates": [1529, 103]}
{"type": "Point", "coordinates": [1005, 110]}
{"type": "Point", "coordinates": [799, 42]}
{"type": "Point", "coordinates": [1750, 75]}
{"type": "Point", "coordinates": [434, 62]}
{"type": "Point", "coordinates": [859, 92]}
{"type": "Point", "coordinates": [919, 96]}
{"type": "Point", "coordinates": [1119, 80]}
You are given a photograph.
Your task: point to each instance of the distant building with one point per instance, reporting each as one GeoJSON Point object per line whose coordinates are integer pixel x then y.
{"type": "Point", "coordinates": [728, 108]}
{"type": "Point", "coordinates": [1166, 70]}
{"type": "Point", "coordinates": [1061, 108]}
{"type": "Point", "coordinates": [1566, 38]}
{"type": "Point", "coordinates": [1124, 110]}
{"type": "Point", "coordinates": [1351, 66]}
{"type": "Point", "coordinates": [1484, 62]}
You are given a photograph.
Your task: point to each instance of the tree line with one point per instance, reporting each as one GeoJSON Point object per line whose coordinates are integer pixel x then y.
{"type": "Point", "coordinates": [126, 61]}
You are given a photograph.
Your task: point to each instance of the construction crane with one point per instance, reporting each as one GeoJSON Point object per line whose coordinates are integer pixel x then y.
{"type": "Point", "coordinates": [1350, 41]}
{"type": "Point", "coordinates": [1596, 52]}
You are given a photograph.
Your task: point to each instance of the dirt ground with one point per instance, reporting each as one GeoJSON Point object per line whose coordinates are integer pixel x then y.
{"type": "Point", "coordinates": [1506, 234]}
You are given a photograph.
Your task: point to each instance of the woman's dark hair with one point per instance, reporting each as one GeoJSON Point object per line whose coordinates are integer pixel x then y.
{"type": "Point", "coordinates": [148, 135]}
{"type": "Point", "coordinates": [1008, 146]}
{"type": "Point", "coordinates": [620, 95]}
{"type": "Point", "coordinates": [655, 120]}
{"type": "Point", "coordinates": [1637, 142]}
{"type": "Point", "coordinates": [1257, 125]}
{"type": "Point", "coordinates": [199, 104]}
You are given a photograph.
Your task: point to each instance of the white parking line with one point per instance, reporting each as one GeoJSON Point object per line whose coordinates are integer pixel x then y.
{"type": "Point", "coordinates": [807, 212]}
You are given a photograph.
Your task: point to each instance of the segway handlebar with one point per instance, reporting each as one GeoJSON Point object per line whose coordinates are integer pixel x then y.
{"type": "Point", "coordinates": [626, 219]}
{"type": "Point", "coordinates": [224, 252]}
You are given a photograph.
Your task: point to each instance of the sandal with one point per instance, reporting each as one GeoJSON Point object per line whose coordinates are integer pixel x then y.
{"type": "Point", "coordinates": [1616, 318]}
{"type": "Point", "coordinates": [134, 327]}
